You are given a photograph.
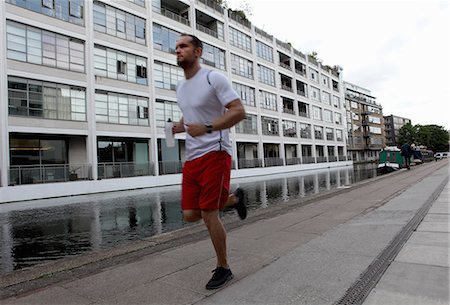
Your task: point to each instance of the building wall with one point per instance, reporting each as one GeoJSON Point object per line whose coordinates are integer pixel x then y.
{"type": "Point", "coordinates": [83, 134]}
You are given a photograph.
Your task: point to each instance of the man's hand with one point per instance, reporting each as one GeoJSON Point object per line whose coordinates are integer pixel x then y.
{"type": "Point", "coordinates": [195, 130]}
{"type": "Point", "coordinates": [178, 127]}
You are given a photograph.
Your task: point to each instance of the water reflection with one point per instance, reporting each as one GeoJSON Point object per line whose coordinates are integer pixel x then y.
{"type": "Point", "coordinates": [52, 229]}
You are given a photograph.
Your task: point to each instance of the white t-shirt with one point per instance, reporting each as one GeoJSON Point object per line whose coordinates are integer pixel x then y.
{"type": "Point", "coordinates": [202, 103]}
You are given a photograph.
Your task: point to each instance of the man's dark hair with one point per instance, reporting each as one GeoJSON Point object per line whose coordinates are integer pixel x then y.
{"type": "Point", "coordinates": [197, 43]}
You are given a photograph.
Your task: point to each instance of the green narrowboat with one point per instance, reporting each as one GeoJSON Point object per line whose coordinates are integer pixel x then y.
{"type": "Point", "coordinates": [390, 160]}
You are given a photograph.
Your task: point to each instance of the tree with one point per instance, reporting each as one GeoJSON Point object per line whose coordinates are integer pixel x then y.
{"type": "Point", "coordinates": [434, 137]}
{"type": "Point", "coordinates": [407, 134]}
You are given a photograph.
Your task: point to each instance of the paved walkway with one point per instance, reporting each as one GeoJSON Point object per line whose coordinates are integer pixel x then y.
{"type": "Point", "coordinates": [310, 255]}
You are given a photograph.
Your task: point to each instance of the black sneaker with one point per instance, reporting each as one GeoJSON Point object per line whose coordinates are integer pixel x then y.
{"type": "Point", "coordinates": [220, 277]}
{"type": "Point", "coordinates": [240, 205]}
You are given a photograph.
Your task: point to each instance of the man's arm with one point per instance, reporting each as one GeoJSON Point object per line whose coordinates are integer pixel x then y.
{"type": "Point", "coordinates": [178, 127]}
{"type": "Point", "coordinates": [231, 117]}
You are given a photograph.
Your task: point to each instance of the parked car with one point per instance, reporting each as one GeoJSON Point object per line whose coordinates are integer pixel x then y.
{"type": "Point", "coordinates": [441, 155]}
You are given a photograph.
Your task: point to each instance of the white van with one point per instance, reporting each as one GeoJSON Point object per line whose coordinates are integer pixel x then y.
{"type": "Point", "coordinates": [441, 155]}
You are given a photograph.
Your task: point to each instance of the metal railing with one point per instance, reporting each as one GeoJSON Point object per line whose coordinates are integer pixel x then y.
{"type": "Point", "coordinates": [288, 110]}
{"type": "Point", "coordinates": [170, 167]}
{"type": "Point", "coordinates": [342, 158]}
{"type": "Point", "coordinates": [206, 30]}
{"type": "Point", "coordinates": [300, 72]}
{"type": "Point", "coordinates": [235, 16]}
{"type": "Point", "coordinates": [321, 159]}
{"type": "Point", "coordinates": [212, 4]}
{"type": "Point", "coordinates": [302, 93]}
{"type": "Point", "coordinates": [298, 53]}
{"type": "Point", "coordinates": [308, 160]}
{"type": "Point", "coordinates": [263, 34]}
{"type": "Point", "coordinates": [171, 15]}
{"type": "Point", "coordinates": [273, 162]}
{"type": "Point", "coordinates": [292, 161]}
{"type": "Point", "coordinates": [287, 88]}
{"type": "Point", "coordinates": [286, 66]}
{"type": "Point", "coordinates": [124, 169]}
{"type": "Point", "coordinates": [332, 158]}
{"type": "Point", "coordinates": [48, 173]}
{"type": "Point", "coordinates": [249, 163]}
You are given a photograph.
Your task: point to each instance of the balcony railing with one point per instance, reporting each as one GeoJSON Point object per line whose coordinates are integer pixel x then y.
{"type": "Point", "coordinates": [286, 87]}
{"type": "Point", "coordinates": [170, 167]}
{"type": "Point", "coordinates": [286, 66]}
{"type": "Point", "coordinates": [283, 45]}
{"type": "Point", "coordinates": [48, 173]}
{"type": "Point", "coordinates": [288, 110]}
{"type": "Point", "coordinates": [332, 158]}
{"type": "Point", "coordinates": [171, 15]}
{"type": "Point", "coordinates": [212, 4]}
{"type": "Point", "coordinates": [263, 34]}
{"type": "Point", "coordinates": [303, 114]}
{"type": "Point", "coordinates": [249, 163]}
{"type": "Point", "coordinates": [308, 160]}
{"type": "Point", "coordinates": [321, 159]}
{"type": "Point", "coordinates": [207, 30]}
{"type": "Point", "coordinates": [292, 161]}
{"type": "Point", "coordinates": [124, 169]}
{"type": "Point", "coordinates": [239, 19]}
{"type": "Point", "coordinates": [343, 158]}
{"type": "Point", "coordinates": [300, 54]}
{"type": "Point", "coordinates": [300, 72]}
{"type": "Point", "coordinates": [302, 93]}
{"type": "Point", "coordinates": [273, 162]}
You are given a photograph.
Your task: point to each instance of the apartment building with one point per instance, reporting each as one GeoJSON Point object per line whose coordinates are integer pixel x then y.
{"type": "Point", "coordinates": [87, 86]}
{"type": "Point", "coordinates": [392, 125]}
{"type": "Point", "coordinates": [365, 125]}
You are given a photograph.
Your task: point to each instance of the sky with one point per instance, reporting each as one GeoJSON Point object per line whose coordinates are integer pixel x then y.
{"type": "Point", "coordinates": [397, 49]}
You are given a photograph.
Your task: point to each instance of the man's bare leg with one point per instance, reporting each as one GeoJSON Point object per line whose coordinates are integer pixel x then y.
{"type": "Point", "coordinates": [217, 234]}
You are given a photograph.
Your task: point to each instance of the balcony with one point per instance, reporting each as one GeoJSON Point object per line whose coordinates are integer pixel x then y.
{"type": "Point", "coordinates": [49, 173]}
{"type": "Point", "coordinates": [293, 161]}
{"type": "Point", "coordinates": [171, 15]}
{"type": "Point", "coordinates": [268, 162]}
{"type": "Point", "coordinates": [213, 5]}
{"type": "Point", "coordinates": [283, 45]}
{"type": "Point", "coordinates": [209, 25]}
{"type": "Point", "coordinates": [263, 34]}
{"type": "Point", "coordinates": [124, 169]}
{"type": "Point", "coordinates": [249, 163]}
{"type": "Point", "coordinates": [286, 66]}
{"type": "Point", "coordinates": [286, 87]}
{"type": "Point", "coordinates": [332, 158]}
{"type": "Point", "coordinates": [239, 17]}
{"type": "Point", "coordinates": [170, 167]}
{"type": "Point", "coordinates": [322, 159]}
{"type": "Point", "coordinates": [206, 30]}
{"type": "Point", "coordinates": [308, 160]}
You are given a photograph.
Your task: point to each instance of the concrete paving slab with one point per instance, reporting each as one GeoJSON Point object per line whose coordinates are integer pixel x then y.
{"type": "Point", "coordinates": [382, 217]}
{"type": "Point", "coordinates": [434, 227]}
{"type": "Point", "coordinates": [316, 225]}
{"type": "Point", "coordinates": [49, 296]}
{"type": "Point", "coordinates": [356, 240]}
{"type": "Point", "coordinates": [431, 217]}
{"type": "Point", "coordinates": [192, 253]}
{"type": "Point", "coordinates": [121, 278]}
{"type": "Point", "coordinates": [411, 284]}
{"type": "Point", "coordinates": [440, 209]}
{"type": "Point", "coordinates": [438, 239]}
{"type": "Point", "coordinates": [273, 245]}
{"type": "Point", "coordinates": [157, 293]}
{"type": "Point", "coordinates": [303, 276]}
{"type": "Point", "coordinates": [424, 254]}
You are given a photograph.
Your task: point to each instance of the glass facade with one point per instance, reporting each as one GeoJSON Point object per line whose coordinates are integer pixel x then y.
{"type": "Point", "coordinates": [118, 23]}
{"type": "Point", "coordinates": [246, 93]}
{"type": "Point", "coordinates": [120, 65]}
{"type": "Point", "coordinates": [167, 76]}
{"type": "Point", "coordinates": [270, 126]}
{"type": "Point", "coordinates": [266, 75]}
{"type": "Point", "coordinates": [116, 108]}
{"type": "Point", "coordinates": [213, 56]}
{"type": "Point", "coordinates": [164, 39]}
{"type": "Point", "coordinates": [240, 40]}
{"type": "Point", "coordinates": [36, 46]}
{"type": "Point", "coordinates": [241, 66]}
{"type": "Point", "coordinates": [264, 51]}
{"type": "Point", "coordinates": [68, 10]}
{"type": "Point", "coordinates": [268, 100]}
{"type": "Point", "coordinates": [47, 100]}
{"type": "Point", "coordinates": [249, 125]}
{"type": "Point", "coordinates": [166, 110]}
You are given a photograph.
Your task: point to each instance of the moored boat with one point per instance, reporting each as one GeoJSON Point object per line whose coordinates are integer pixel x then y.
{"type": "Point", "coordinates": [390, 160]}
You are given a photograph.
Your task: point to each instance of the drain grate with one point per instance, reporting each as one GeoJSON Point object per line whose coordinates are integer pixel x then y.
{"type": "Point", "coordinates": [359, 291]}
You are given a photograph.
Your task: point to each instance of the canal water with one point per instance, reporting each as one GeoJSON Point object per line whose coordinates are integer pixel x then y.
{"type": "Point", "coordinates": [43, 230]}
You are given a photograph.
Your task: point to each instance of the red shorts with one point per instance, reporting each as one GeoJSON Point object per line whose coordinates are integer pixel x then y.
{"type": "Point", "coordinates": [206, 182]}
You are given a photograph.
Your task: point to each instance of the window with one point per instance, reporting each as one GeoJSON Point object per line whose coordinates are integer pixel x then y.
{"type": "Point", "coordinates": [117, 108]}
{"type": "Point", "coordinates": [330, 133]}
{"type": "Point", "coordinates": [289, 129]}
{"type": "Point", "coordinates": [315, 94]}
{"type": "Point", "coordinates": [246, 93]}
{"type": "Point", "coordinates": [167, 76]}
{"type": "Point", "coordinates": [118, 23]}
{"type": "Point", "coordinates": [338, 118]}
{"type": "Point", "coordinates": [27, 97]}
{"type": "Point", "coordinates": [303, 109]}
{"type": "Point", "coordinates": [326, 98]}
{"type": "Point", "coordinates": [374, 120]}
{"type": "Point", "coordinates": [336, 102]}
{"type": "Point", "coordinates": [241, 66]}
{"type": "Point", "coordinates": [317, 113]}
{"type": "Point", "coordinates": [166, 110]}
{"type": "Point", "coordinates": [240, 40]}
{"type": "Point", "coordinates": [120, 65]}
{"type": "Point", "coordinates": [268, 100]}
{"type": "Point", "coordinates": [376, 130]}
{"type": "Point", "coordinates": [314, 75]}
{"type": "Point", "coordinates": [339, 135]}
{"type": "Point", "coordinates": [213, 56]}
{"type": "Point", "coordinates": [325, 81]}
{"type": "Point", "coordinates": [305, 131]}
{"type": "Point", "coordinates": [354, 105]}
{"type": "Point", "coordinates": [66, 10]}
{"type": "Point", "coordinates": [248, 126]}
{"type": "Point", "coordinates": [29, 44]}
{"type": "Point", "coordinates": [164, 39]}
{"type": "Point", "coordinates": [269, 126]}
{"type": "Point", "coordinates": [355, 116]}
{"type": "Point", "coordinates": [328, 116]}
{"type": "Point", "coordinates": [318, 132]}
{"type": "Point", "coordinates": [264, 51]}
{"type": "Point", "coordinates": [266, 75]}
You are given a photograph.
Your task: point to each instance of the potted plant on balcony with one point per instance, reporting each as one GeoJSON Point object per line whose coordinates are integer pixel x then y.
{"type": "Point", "coordinates": [73, 175]}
